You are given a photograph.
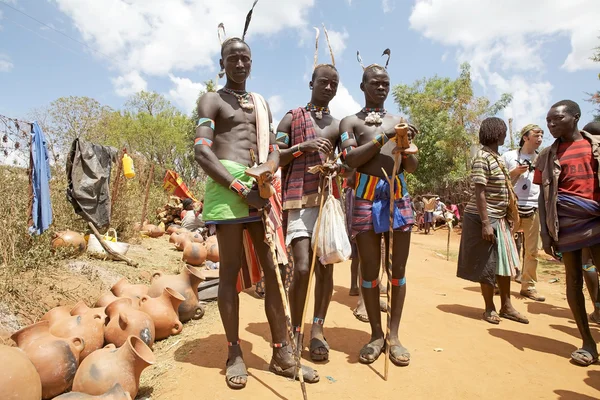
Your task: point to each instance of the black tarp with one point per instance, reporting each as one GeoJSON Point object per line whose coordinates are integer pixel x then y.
{"type": "Point", "coordinates": [88, 172]}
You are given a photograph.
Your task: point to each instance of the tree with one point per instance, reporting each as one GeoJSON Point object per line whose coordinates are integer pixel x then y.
{"type": "Point", "coordinates": [448, 116]}
{"type": "Point", "coordinates": [69, 118]}
{"type": "Point", "coordinates": [595, 97]}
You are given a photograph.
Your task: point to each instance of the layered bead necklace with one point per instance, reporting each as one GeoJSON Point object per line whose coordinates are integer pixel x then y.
{"type": "Point", "coordinates": [319, 111]}
{"type": "Point", "coordinates": [374, 115]}
{"type": "Point", "coordinates": [243, 98]}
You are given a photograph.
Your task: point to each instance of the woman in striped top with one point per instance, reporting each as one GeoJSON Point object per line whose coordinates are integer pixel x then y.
{"type": "Point", "coordinates": [488, 252]}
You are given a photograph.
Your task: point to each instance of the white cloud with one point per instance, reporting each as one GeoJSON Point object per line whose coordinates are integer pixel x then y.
{"type": "Point", "coordinates": [129, 83]}
{"type": "Point", "coordinates": [343, 104]}
{"type": "Point", "coordinates": [491, 25]}
{"type": "Point", "coordinates": [185, 93]}
{"type": "Point", "coordinates": [387, 6]}
{"type": "Point", "coordinates": [6, 64]}
{"type": "Point", "coordinates": [158, 37]}
{"type": "Point", "coordinates": [338, 41]}
{"type": "Point", "coordinates": [276, 105]}
{"type": "Point", "coordinates": [505, 43]}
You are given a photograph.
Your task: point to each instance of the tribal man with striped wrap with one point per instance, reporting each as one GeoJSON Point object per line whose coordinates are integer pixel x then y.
{"type": "Point", "coordinates": [365, 147]}
{"type": "Point", "coordinates": [306, 137]}
{"type": "Point", "coordinates": [232, 130]}
{"type": "Point", "coordinates": [569, 205]}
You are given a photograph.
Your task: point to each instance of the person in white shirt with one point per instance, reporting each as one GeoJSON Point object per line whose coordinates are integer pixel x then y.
{"type": "Point", "coordinates": [520, 164]}
{"type": "Point", "coordinates": [190, 219]}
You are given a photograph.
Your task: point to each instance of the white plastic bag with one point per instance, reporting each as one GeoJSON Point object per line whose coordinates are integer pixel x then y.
{"type": "Point", "coordinates": [332, 243]}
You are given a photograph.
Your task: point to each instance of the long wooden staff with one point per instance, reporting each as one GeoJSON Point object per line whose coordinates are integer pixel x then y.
{"type": "Point", "coordinates": [270, 235]}
{"type": "Point", "coordinates": [402, 144]}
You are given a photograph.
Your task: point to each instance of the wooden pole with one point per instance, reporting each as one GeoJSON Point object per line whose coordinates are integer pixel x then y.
{"type": "Point", "coordinates": [110, 251]}
{"type": "Point", "coordinates": [391, 182]}
{"type": "Point", "coordinates": [115, 192]}
{"type": "Point", "coordinates": [145, 206]}
{"type": "Point", "coordinates": [270, 236]}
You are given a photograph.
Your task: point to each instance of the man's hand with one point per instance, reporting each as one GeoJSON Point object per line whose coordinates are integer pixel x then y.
{"type": "Point", "coordinates": [320, 144]}
{"type": "Point", "coordinates": [330, 169]}
{"type": "Point", "coordinates": [412, 132]}
{"type": "Point", "coordinates": [487, 232]}
{"type": "Point", "coordinates": [518, 170]}
{"type": "Point", "coordinates": [254, 200]}
{"type": "Point", "coordinates": [548, 246]}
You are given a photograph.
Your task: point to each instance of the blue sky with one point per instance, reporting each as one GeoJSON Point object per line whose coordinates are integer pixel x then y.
{"type": "Point", "coordinates": [536, 50]}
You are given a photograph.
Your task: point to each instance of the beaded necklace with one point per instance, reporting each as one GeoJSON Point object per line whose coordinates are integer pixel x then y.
{"type": "Point", "coordinates": [374, 115]}
{"type": "Point", "coordinates": [319, 111]}
{"type": "Point", "coordinates": [242, 98]}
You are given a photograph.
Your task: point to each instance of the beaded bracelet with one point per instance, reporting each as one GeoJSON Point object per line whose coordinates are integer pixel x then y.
{"type": "Point", "coordinates": [239, 188]}
{"type": "Point", "coordinates": [297, 153]}
{"type": "Point", "coordinates": [380, 140]}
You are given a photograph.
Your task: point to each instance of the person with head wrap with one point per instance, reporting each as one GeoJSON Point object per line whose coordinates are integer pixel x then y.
{"type": "Point", "coordinates": [191, 216]}
{"type": "Point", "coordinates": [519, 163]}
{"type": "Point", "coordinates": [488, 253]}
{"type": "Point", "coordinates": [367, 145]}
{"type": "Point", "coordinates": [233, 134]}
{"type": "Point", "coordinates": [569, 205]}
{"type": "Point", "coordinates": [307, 136]}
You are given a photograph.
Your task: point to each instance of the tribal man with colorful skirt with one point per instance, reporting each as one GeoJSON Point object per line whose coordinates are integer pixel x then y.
{"type": "Point", "coordinates": [368, 148]}
{"type": "Point", "coordinates": [306, 137]}
{"type": "Point", "coordinates": [232, 129]}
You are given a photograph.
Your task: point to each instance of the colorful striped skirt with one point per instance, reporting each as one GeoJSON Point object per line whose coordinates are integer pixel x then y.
{"type": "Point", "coordinates": [480, 260]}
{"type": "Point", "coordinates": [372, 205]}
{"type": "Point", "coordinates": [578, 221]}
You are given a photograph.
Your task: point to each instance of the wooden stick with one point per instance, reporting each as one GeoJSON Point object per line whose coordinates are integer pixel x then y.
{"type": "Point", "coordinates": [449, 225]}
{"type": "Point", "coordinates": [312, 265]}
{"type": "Point", "coordinates": [270, 236]}
{"type": "Point", "coordinates": [150, 176]}
{"type": "Point", "coordinates": [110, 251]}
{"type": "Point", "coordinates": [115, 191]}
{"type": "Point", "coordinates": [391, 182]}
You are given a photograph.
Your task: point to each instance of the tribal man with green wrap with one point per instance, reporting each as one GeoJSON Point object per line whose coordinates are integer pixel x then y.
{"type": "Point", "coordinates": [233, 129]}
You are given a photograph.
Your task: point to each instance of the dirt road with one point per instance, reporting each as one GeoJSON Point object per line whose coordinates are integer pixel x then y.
{"type": "Point", "coordinates": [477, 360]}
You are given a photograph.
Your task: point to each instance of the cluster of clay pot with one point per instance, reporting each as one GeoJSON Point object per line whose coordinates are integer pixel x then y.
{"type": "Point", "coordinates": [65, 349]}
{"type": "Point", "coordinates": [196, 249]}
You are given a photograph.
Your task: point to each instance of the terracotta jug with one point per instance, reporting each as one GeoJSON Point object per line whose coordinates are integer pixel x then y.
{"type": "Point", "coordinates": [105, 367]}
{"type": "Point", "coordinates": [163, 311]}
{"type": "Point", "coordinates": [153, 231]}
{"type": "Point", "coordinates": [54, 358]}
{"type": "Point", "coordinates": [180, 240]}
{"type": "Point", "coordinates": [57, 313]}
{"type": "Point", "coordinates": [212, 251]}
{"type": "Point", "coordinates": [172, 228]}
{"type": "Point", "coordinates": [194, 253]}
{"type": "Point", "coordinates": [20, 381]}
{"type": "Point", "coordinates": [196, 237]}
{"type": "Point", "coordinates": [116, 393]}
{"type": "Point", "coordinates": [108, 297]}
{"type": "Point", "coordinates": [69, 239]}
{"type": "Point", "coordinates": [81, 309]}
{"type": "Point", "coordinates": [186, 284]}
{"type": "Point", "coordinates": [89, 327]}
{"type": "Point", "coordinates": [125, 289]}
{"type": "Point", "coordinates": [123, 320]}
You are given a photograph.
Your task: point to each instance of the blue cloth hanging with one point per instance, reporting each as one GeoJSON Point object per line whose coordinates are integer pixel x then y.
{"type": "Point", "coordinates": [41, 212]}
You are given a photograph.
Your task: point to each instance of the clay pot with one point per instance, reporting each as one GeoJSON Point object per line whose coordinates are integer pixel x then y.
{"type": "Point", "coordinates": [196, 237]}
{"type": "Point", "coordinates": [153, 230]}
{"type": "Point", "coordinates": [89, 327]}
{"type": "Point", "coordinates": [123, 320]}
{"type": "Point", "coordinates": [179, 239]}
{"type": "Point", "coordinates": [194, 254]}
{"type": "Point", "coordinates": [20, 381]}
{"type": "Point", "coordinates": [116, 393]}
{"type": "Point", "coordinates": [57, 313]}
{"type": "Point", "coordinates": [186, 284]}
{"type": "Point", "coordinates": [69, 239]}
{"type": "Point", "coordinates": [125, 289]}
{"type": "Point", "coordinates": [163, 311]}
{"type": "Point", "coordinates": [102, 369]}
{"type": "Point", "coordinates": [212, 248]}
{"type": "Point", "coordinates": [81, 309]}
{"type": "Point", "coordinates": [172, 228]}
{"type": "Point", "coordinates": [109, 297]}
{"type": "Point", "coordinates": [54, 358]}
